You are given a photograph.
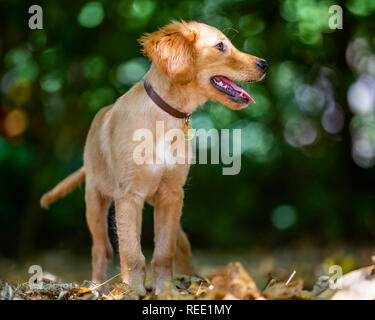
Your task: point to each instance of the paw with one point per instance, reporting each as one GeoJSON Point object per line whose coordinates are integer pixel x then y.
{"type": "Point", "coordinates": [138, 289]}
{"type": "Point", "coordinates": [164, 288]}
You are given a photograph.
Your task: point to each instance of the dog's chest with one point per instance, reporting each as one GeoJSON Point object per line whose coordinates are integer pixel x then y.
{"type": "Point", "coordinates": [168, 155]}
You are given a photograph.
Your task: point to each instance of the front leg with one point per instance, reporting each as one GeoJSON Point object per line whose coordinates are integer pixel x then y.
{"type": "Point", "coordinates": [128, 220]}
{"type": "Point", "coordinates": [167, 213]}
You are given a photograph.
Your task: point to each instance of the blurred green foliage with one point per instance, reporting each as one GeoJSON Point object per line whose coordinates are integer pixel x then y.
{"type": "Point", "coordinates": [308, 144]}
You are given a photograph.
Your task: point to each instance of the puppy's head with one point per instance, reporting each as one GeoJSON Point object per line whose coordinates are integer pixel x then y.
{"type": "Point", "coordinates": [201, 54]}
{"type": "Point", "coordinates": [172, 50]}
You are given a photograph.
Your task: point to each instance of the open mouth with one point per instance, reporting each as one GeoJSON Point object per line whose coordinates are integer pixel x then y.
{"type": "Point", "coordinates": [234, 91]}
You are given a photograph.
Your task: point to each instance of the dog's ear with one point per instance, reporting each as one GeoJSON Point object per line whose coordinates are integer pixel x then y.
{"type": "Point", "coordinates": [171, 48]}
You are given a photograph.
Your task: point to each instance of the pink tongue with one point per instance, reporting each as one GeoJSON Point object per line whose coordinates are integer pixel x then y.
{"type": "Point", "coordinates": [236, 87]}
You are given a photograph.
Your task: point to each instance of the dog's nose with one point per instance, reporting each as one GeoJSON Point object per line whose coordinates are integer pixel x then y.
{"type": "Point", "coordinates": [262, 65]}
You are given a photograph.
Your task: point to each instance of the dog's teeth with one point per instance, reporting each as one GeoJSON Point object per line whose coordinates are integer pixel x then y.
{"type": "Point", "coordinates": [221, 84]}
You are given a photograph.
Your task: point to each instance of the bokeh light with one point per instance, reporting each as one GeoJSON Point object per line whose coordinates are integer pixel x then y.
{"type": "Point", "coordinates": [308, 19]}
{"type": "Point", "coordinates": [257, 140]}
{"type": "Point", "coordinates": [283, 217]}
{"type": "Point", "coordinates": [51, 82]}
{"type": "Point", "coordinates": [15, 123]}
{"type": "Point", "coordinates": [300, 132]}
{"type": "Point", "coordinates": [361, 7]}
{"type": "Point", "coordinates": [361, 95]}
{"type": "Point", "coordinates": [333, 119]}
{"type": "Point", "coordinates": [132, 71]}
{"type": "Point", "coordinates": [91, 15]}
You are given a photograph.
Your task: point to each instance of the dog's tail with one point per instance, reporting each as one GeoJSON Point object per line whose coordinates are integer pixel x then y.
{"type": "Point", "coordinates": [63, 188]}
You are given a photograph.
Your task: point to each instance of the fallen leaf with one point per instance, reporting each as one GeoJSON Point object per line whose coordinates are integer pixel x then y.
{"type": "Point", "coordinates": [235, 282]}
{"type": "Point", "coordinates": [83, 290]}
{"type": "Point", "coordinates": [282, 291]}
{"type": "Point", "coordinates": [119, 292]}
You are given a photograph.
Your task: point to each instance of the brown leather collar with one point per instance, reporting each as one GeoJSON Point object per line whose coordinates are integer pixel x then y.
{"type": "Point", "coordinates": [163, 105]}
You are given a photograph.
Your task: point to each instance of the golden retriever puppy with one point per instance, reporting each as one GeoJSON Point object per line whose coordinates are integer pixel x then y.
{"type": "Point", "coordinates": [191, 63]}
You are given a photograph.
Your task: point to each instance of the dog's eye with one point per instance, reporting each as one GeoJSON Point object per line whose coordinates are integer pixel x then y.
{"type": "Point", "coordinates": [220, 46]}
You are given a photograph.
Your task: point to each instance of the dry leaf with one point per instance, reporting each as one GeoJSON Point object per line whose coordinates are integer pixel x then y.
{"type": "Point", "coordinates": [282, 291]}
{"type": "Point", "coordinates": [171, 293]}
{"type": "Point", "coordinates": [119, 292]}
{"type": "Point", "coordinates": [83, 290]}
{"type": "Point", "coordinates": [235, 282]}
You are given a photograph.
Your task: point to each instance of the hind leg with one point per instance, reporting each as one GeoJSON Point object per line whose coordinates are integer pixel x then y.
{"type": "Point", "coordinates": [97, 207]}
{"type": "Point", "coordinates": [182, 256]}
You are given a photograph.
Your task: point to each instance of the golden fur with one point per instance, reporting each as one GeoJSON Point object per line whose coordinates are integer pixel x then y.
{"type": "Point", "coordinates": [184, 59]}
